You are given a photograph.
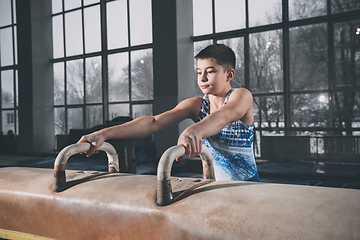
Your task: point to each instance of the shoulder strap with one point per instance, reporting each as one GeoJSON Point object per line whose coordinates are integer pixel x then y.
{"type": "Point", "coordinates": [228, 95]}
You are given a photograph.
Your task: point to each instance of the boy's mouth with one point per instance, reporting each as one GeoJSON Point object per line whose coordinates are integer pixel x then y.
{"type": "Point", "coordinates": [204, 86]}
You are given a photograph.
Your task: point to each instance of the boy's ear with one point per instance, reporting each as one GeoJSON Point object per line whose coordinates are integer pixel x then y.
{"type": "Point", "coordinates": [230, 74]}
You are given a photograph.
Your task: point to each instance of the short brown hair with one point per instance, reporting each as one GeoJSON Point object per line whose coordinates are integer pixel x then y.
{"type": "Point", "coordinates": [222, 54]}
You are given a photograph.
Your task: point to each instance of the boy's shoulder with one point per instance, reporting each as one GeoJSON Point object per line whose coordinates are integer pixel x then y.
{"type": "Point", "coordinates": [241, 89]}
{"type": "Point", "coordinates": [190, 106]}
{"type": "Point", "coordinates": [241, 93]}
{"type": "Point", "coordinates": [192, 101]}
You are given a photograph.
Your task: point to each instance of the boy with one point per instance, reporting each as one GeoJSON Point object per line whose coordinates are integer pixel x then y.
{"type": "Point", "coordinates": [223, 119]}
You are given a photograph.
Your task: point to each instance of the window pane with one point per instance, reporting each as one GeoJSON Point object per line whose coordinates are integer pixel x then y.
{"type": "Point", "coordinates": [264, 12]}
{"type": "Point", "coordinates": [309, 110]}
{"type": "Point", "coordinates": [269, 111]}
{"type": "Point", "coordinates": [75, 118]}
{"type": "Point", "coordinates": [60, 127]}
{"type": "Point", "coordinates": [71, 4]}
{"type": "Point", "coordinates": [347, 53]}
{"type": "Point", "coordinates": [229, 15]}
{"type": "Point", "coordinates": [140, 110]}
{"type": "Point", "coordinates": [14, 11]}
{"type": "Point", "coordinates": [202, 17]}
{"type": "Point", "coordinates": [8, 121]}
{"type": "Point", "coordinates": [5, 12]}
{"type": "Point", "coordinates": [117, 24]}
{"type": "Point", "coordinates": [73, 33]}
{"type": "Point", "coordinates": [142, 87]}
{"type": "Point", "coordinates": [15, 47]}
{"type": "Point", "coordinates": [58, 37]}
{"type": "Point", "coordinates": [7, 88]}
{"type": "Point", "coordinates": [344, 5]}
{"type": "Point", "coordinates": [17, 121]}
{"type": "Point", "coordinates": [118, 77]}
{"type": "Point", "coordinates": [56, 6]}
{"type": "Point", "coordinates": [140, 22]}
{"type": "Point", "coordinates": [6, 46]}
{"type": "Point", "coordinates": [59, 87]}
{"type": "Point", "coordinates": [87, 2]}
{"type": "Point", "coordinates": [266, 68]}
{"type": "Point", "coordinates": [94, 116]}
{"type": "Point", "coordinates": [93, 80]}
{"type": "Point", "coordinates": [75, 82]}
{"type": "Point", "coordinates": [346, 111]}
{"type": "Point", "coordinates": [118, 110]}
{"type": "Point", "coordinates": [92, 29]}
{"type": "Point", "coordinates": [16, 88]}
{"type": "Point", "coordinates": [300, 9]}
{"type": "Point", "coordinates": [237, 45]}
{"type": "Point", "coordinates": [308, 57]}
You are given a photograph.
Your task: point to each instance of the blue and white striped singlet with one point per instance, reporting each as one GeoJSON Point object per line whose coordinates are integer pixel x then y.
{"type": "Point", "coordinates": [232, 148]}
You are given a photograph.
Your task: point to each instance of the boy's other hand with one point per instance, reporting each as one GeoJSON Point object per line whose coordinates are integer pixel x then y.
{"type": "Point", "coordinates": [192, 142]}
{"type": "Point", "coordinates": [95, 139]}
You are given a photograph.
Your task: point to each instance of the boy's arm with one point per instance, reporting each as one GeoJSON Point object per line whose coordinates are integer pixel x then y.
{"type": "Point", "coordinates": [239, 107]}
{"type": "Point", "coordinates": [143, 126]}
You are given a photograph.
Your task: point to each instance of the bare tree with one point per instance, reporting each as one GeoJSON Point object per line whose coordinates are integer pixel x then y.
{"type": "Point", "coordinates": [309, 68]}
{"type": "Point", "coordinates": [7, 97]}
{"type": "Point", "coordinates": [75, 82]}
{"type": "Point", "coordinates": [266, 75]}
{"type": "Point", "coordinates": [347, 47]}
{"type": "Point", "coordinates": [141, 78]}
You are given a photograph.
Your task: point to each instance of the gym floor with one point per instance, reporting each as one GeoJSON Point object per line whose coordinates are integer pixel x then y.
{"type": "Point", "coordinates": [339, 175]}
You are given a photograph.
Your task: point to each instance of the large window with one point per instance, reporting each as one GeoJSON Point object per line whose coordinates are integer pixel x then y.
{"type": "Point", "coordinates": [102, 61]}
{"type": "Point", "coordinates": [8, 64]}
{"type": "Point", "coordinates": [300, 60]}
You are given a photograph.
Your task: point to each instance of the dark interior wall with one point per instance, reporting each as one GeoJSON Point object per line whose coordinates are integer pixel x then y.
{"type": "Point", "coordinates": [35, 76]}
{"type": "Point", "coordinates": [185, 48]}
{"type": "Point", "coordinates": [173, 62]}
{"type": "Point", "coordinates": [24, 75]}
{"type": "Point", "coordinates": [165, 67]}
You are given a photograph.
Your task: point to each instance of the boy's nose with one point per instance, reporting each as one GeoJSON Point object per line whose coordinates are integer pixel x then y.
{"type": "Point", "coordinates": [203, 77]}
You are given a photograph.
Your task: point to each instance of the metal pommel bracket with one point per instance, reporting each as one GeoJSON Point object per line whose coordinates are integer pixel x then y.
{"type": "Point", "coordinates": [164, 194]}
{"type": "Point", "coordinates": [61, 159]}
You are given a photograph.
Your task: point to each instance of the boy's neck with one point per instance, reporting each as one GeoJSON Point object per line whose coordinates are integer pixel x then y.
{"type": "Point", "coordinates": [217, 101]}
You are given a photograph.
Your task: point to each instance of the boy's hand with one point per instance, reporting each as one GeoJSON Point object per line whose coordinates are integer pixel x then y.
{"type": "Point", "coordinates": [192, 142]}
{"type": "Point", "coordinates": [95, 139]}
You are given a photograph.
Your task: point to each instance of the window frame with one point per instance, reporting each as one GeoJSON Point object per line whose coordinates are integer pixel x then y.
{"type": "Point", "coordinates": [285, 25]}
{"type": "Point", "coordinates": [14, 68]}
{"type": "Point", "coordinates": [103, 54]}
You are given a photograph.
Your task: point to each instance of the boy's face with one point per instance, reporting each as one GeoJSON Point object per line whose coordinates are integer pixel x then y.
{"type": "Point", "coordinates": [211, 77]}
